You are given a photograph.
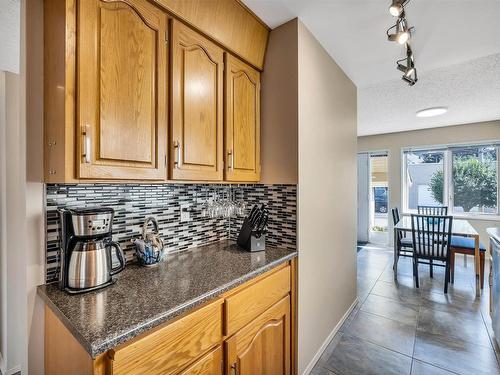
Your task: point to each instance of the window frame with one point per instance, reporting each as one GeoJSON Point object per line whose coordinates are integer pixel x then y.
{"type": "Point", "coordinates": [448, 187]}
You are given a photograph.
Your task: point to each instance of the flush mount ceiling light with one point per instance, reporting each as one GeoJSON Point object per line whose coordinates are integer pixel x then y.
{"type": "Point", "coordinates": [432, 112]}
{"type": "Point", "coordinates": [409, 70]}
{"type": "Point", "coordinates": [403, 32]}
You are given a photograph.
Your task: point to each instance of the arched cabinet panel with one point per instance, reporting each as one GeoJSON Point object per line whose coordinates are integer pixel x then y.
{"type": "Point", "coordinates": [263, 346]}
{"type": "Point", "coordinates": [122, 88]}
{"type": "Point", "coordinates": [242, 121]}
{"type": "Point", "coordinates": [196, 126]}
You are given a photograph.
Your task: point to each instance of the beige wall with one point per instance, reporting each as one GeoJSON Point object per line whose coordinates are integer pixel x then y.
{"type": "Point", "coordinates": [279, 109]}
{"type": "Point", "coordinates": [309, 136]}
{"type": "Point", "coordinates": [394, 142]}
{"type": "Point", "coordinates": [326, 204]}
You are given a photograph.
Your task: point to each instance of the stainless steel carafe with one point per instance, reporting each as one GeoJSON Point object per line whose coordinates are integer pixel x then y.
{"type": "Point", "coordinates": [90, 263]}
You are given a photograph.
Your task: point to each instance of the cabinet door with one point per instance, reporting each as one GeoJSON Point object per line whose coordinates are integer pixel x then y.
{"type": "Point", "coordinates": [242, 93]}
{"type": "Point", "coordinates": [209, 364]}
{"type": "Point", "coordinates": [196, 124]}
{"type": "Point", "coordinates": [263, 346]}
{"type": "Point", "coordinates": [122, 87]}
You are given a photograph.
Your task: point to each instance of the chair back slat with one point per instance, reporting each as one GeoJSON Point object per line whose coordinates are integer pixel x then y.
{"type": "Point", "coordinates": [433, 210]}
{"type": "Point", "coordinates": [395, 220]}
{"type": "Point", "coordinates": [431, 236]}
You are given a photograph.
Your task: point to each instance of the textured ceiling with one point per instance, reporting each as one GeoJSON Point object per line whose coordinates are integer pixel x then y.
{"type": "Point", "coordinates": [453, 41]}
{"type": "Point", "coordinates": [470, 90]}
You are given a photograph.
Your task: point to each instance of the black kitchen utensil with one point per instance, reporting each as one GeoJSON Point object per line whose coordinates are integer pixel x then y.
{"type": "Point", "coordinates": [253, 229]}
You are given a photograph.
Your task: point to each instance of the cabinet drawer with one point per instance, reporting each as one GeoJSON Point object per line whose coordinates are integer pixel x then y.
{"type": "Point", "coordinates": [209, 364]}
{"type": "Point", "coordinates": [167, 349]}
{"type": "Point", "coordinates": [244, 306]}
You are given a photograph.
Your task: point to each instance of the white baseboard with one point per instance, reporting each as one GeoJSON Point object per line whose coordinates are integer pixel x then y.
{"type": "Point", "coordinates": [322, 348]}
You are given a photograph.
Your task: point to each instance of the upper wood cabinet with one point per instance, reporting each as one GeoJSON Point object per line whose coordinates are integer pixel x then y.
{"type": "Point", "coordinates": [122, 86]}
{"type": "Point", "coordinates": [263, 346]}
{"type": "Point", "coordinates": [196, 124]}
{"type": "Point", "coordinates": [242, 121]}
{"type": "Point", "coordinates": [127, 98]}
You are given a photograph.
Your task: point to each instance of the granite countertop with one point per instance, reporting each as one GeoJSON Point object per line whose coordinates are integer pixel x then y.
{"type": "Point", "coordinates": [494, 233]}
{"type": "Point", "coordinates": [143, 298]}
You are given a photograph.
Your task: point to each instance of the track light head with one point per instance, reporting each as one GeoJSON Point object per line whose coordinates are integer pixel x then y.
{"type": "Point", "coordinates": [409, 70]}
{"type": "Point", "coordinates": [403, 32]}
{"type": "Point", "coordinates": [396, 8]}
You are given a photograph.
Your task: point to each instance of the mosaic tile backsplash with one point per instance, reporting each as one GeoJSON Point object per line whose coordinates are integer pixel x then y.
{"type": "Point", "coordinates": [134, 202]}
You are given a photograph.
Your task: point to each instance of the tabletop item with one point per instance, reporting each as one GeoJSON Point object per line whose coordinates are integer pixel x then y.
{"type": "Point", "coordinates": [85, 249]}
{"type": "Point", "coordinates": [252, 236]}
{"type": "Point", "coordinates": [149, 248]}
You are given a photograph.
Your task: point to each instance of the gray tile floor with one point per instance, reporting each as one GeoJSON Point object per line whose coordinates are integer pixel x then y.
{"type": "Point", "coordinates": [398, 329]}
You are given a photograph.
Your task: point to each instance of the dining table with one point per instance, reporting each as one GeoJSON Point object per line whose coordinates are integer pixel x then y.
{"type": "Point", "coordinates": [460, 227]}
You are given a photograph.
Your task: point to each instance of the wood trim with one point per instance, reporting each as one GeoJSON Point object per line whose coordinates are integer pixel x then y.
{"type": "Point", "coordinates": [64, 354]}
{"type": "Point", "coordinates": [60, 86]}
{"type": "Point", "coordinates": [251, 12]}
{"type": "Point", "coordinates": [228, 22]}
{"type": "Point", "coordinates": [293, 316]}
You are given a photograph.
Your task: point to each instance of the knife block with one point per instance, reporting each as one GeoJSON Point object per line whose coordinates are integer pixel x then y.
{"type": "Point", "coordinates": [248, 239]}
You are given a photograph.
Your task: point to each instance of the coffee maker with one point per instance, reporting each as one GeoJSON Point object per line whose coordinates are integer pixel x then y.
{"type": "Point", "coordinates": [85, 249]}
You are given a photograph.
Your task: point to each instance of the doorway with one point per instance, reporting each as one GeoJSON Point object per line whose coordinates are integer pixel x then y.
{"type": "Point", "coordinates": [373, 198]}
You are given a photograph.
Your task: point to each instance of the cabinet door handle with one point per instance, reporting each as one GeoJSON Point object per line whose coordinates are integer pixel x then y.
{"type": "Point", "coordinates": [230, 155]}
{"type": "Point", "coordinates": [86, 143]}
{"type": "Point", "coordinates": [177, 150]}
{"type": "Point", "coordinates": [234, 368]}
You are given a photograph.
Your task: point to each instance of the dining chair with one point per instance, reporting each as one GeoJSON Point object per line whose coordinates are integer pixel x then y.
{"type": "Point", "coordinates": [466, 246]}
{"type": "Point", "coordinates": [433, 210]}
{"type": "Point", "coordinates": [404, 244]}
{"type": "Point", "coordinates": [431, 235]}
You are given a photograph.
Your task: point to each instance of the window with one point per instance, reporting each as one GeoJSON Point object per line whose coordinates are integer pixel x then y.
{"type": "Point", "coordinates": [463, 178]}
{"type": "Point", "coordinates": [474, 179]}
{"type": "Point", "coordinates": [421, 168]}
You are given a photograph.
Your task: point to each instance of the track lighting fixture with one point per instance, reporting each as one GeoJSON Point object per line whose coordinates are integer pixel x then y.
{"type": "Point", "coordinates": [409, 70]}
{"type": "Point", "coordinates": [403, 32]}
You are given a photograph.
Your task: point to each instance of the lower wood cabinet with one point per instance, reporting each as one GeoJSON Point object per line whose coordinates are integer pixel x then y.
{"type": "Point", "coordinates": [210, 364]}
{"type": "Point", "coordinates": [263, 346]}
{"type": "Point", "coordinates": [166, 350]}
{"type": "Point", "coordinates": [217, 338]}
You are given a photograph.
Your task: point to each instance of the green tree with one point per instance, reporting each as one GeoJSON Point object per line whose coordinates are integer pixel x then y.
{"type": "Point", "coordinates": [474, 184]}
